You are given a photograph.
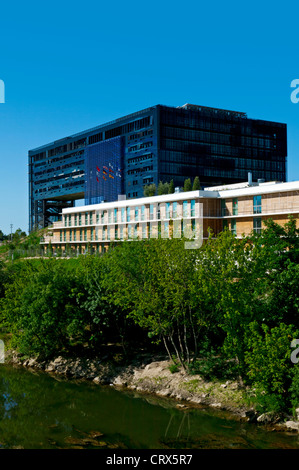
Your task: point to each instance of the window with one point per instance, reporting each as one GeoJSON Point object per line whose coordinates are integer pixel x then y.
{"type": "Point", "coordinates": [235, 206]}
{"type": "Point", "coordinates": [122, 214]}
{"type": "Point", "coordinates": [224, 224]}
{"type": "Point", "coordinates": [85, 234]}
{"type": "Point", "coordinates": [81, 236]}
{"type": "Point", "coordinates": [86, 218]}
{"type": "Point", "coordinates": [193, 208]}
{"type": "Point", "coordinates": [257, 224]}
{"type": "Point", "coordinates": [115, 215]}
{"type": "Point", "coordinates": [175, 210]}
{"type": "Point", "coordinates": [61, 235]}
{"type": "Point", "coordinates": [136, 213]}
{"type": "Point", "coordinates": [121, 235]}
{"type": "Point", "coordinates": [151, 211]}
{"type": "Point", "coordinates": [257, 204]}
{"type": "Point", "coordinates": [71, 235]}
{"type": "Point", "coordinates": [75, 235]}
{"type": "Point", "coordinates": [142, 212]}
{"type": "Point", "coordinates": [91, 234]}
{"type": "Point", "coordinates": [115, 232]}
{"type": "Point", "coordinates": [185, 209]}
{"type": "Point", "coordinates": [135, 231]}
{"type": "Point", "coordinates": [97, 218]}
{"type": "Point", "coordinates": [80, 220]}
{"type": "Point", "coordinates": [234, 226]}
{"type": "Point", "coordinates": [64, 236]}
{"type": "Point", "coordinates": [167, 210]}
{"type": "Point", "coordinates": [128, 214]}
{"type": "Point", "coordinates": [76, 219]}
{"type": "Point", "coordinates": [109, 216]}
{"type": "Point", "coordinates": [90, 218]}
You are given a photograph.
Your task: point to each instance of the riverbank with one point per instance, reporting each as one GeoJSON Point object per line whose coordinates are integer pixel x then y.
{"type": "Point", "coordinates": [152, 375]}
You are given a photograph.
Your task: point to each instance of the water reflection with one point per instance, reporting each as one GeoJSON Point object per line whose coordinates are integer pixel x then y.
{"type": "Point", "coordinates": [40, 411]}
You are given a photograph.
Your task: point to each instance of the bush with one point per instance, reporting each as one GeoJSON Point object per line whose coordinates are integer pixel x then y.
{"type": "Point", "coordinates": [294, 388]}
{"type": "Point", "coordinates": [270, 368]}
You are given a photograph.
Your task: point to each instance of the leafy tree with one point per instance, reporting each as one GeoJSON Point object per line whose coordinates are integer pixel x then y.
{"type": "Point", "coordinates": [151, 280]}
{"type": "Point", "coordinates": [171, 187]}
{"type": "Point", "coordinates": [163, 188]}
{"type": "Point", "coordinates": [149, 190]}
{"type": "Point", "coordinates": [187, 185]}
{"type": "Point", "coordinates": [196, 184]}
{"type": "Point", "coordinates": [40, 308]}
{"type": "Point", "coordinates": [269, 364]}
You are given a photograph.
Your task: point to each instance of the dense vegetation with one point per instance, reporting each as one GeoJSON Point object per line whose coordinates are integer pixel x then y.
{"type": "Point", "coordinates": [228, 309]}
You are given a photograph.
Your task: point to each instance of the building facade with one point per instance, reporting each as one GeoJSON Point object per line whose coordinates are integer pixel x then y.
{"type": "Point", "coordinates": [160, 143]}
{"type": "Point", "coordinates": [242, 208]}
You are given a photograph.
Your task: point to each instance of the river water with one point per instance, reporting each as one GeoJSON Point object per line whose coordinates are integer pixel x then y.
{"type": "Point", "coordinates": [39, 411]}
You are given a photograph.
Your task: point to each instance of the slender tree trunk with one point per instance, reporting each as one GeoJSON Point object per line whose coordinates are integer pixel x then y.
{"type": "Point", "coordinates": [177, 352]}
{"type": "Point", "coordinates": [186, 345]}
{"type": "Point", "coordinates": [194, 337]}
{"type": "Point", "coordinates": [166, 347]}
{"type": "Point", "coordinates": [180, 342]}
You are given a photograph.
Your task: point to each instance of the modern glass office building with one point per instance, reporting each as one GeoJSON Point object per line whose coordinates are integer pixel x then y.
{"type": "Point", "coordinates": [159, 143]}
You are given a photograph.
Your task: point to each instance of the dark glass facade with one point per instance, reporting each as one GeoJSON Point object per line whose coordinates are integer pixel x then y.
{"type": "Point", "coordinates": [156, 144]}
{"type": "Point", "coordinates": [219, 146]}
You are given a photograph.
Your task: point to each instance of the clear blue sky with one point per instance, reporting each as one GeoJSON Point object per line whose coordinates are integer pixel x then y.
{"type": "Point", "coordinates": [69, 66]}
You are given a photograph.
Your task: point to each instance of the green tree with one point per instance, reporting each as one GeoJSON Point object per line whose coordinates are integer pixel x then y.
{"type": "Point", "coordinates": [163, 188]}
{"type": "Point", "coordinates": [196, 184]}
{"type": "Point", "coordinates": [40, 308]}
{"type": "Point", "coordinates": [268, 363]}
{"type": "Point", "coordinates": [171, 187]}
{"type": "Point", "coordinates": [151, 281]}
{"type": "Point", "coordinates": [187, 185]}
{"type": "Point", "coordinates": [149, 190]}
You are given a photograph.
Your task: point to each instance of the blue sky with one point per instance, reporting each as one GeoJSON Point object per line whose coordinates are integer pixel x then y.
{"type": "Point", "coordinates": [70, 66]}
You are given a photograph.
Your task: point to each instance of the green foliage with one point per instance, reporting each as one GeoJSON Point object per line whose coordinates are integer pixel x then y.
{"type": "Point", "coordinates": [212, 363]}
{"type": "Point", "coordinates": [163, 188]}
{"type": "Point", "coordinates": [268, 362]}
{"type": "Point", "coordinates": [187, 185]}
{"type": "Point", "coordinates": [294, 388]}
{"type": "Point", "coordinates": [171, 187]}
{"type": "Point", "coordinates": [149, 190]}
{"type": "Point", "coordinates": [226, 310]}
{"type": "Point", "coordinates": [40, 308]}
{"type": "Point", "coordinates": [173, 368]}
{"type": "Point", "coordinates": [196, 184]}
